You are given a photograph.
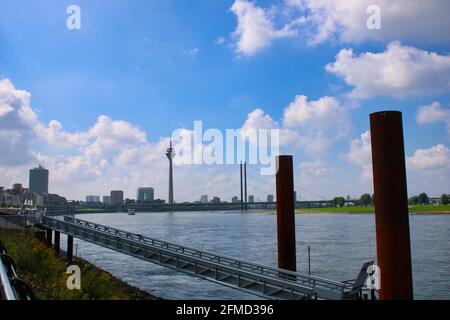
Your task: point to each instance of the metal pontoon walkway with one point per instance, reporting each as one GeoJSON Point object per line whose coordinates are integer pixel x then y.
{"type": "Point", "coordinates": [260, 280]}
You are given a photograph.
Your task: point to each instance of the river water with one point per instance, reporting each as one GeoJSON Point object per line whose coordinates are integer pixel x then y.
{"type": "Point", "coordinates": [340, 244]}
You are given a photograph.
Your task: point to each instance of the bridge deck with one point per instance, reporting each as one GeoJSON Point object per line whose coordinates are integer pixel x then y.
{"type": "Point", "coordinates": [260, 280]}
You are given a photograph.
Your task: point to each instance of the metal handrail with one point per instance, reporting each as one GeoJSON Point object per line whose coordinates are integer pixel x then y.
{"type": "Point", "coordinates": [286, 275]}
{"type": "Point", "coordinates": [11, 286]}
{"type": "Point", "coordinates": [7, 291]}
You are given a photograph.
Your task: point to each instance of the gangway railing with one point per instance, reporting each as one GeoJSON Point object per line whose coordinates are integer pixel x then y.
{"type": "Point", "coordinates": [11, 287]}
{"type": "Point", "coordinates": [264, 281]}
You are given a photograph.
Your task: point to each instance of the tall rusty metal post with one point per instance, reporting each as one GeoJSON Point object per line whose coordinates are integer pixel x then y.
{"type": "Point", "coordinates": [391, 206]}
{"type": "Point", "coordinates": [57, 243]}
{"type": "Point", "coordinates": [285, 213]}
{"type": "Point", "coordinates": [49, 237]}
{"type": "Point", "coordinates": [69, 248]}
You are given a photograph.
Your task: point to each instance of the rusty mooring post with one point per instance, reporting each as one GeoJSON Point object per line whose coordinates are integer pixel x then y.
{"type": "Point", "coordinates": [69, 248]}
{"type": "Point", "coordinates": [391, 207]}
{"type": "Point", "coordinates": [57, 243]}
{"type": "Point", "coordinates": [49, 237]}
{"type": "Point", "coordinates": [285, 213]}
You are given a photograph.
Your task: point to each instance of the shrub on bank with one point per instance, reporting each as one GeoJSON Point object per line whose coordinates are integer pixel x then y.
{"type": "Point", "coordinates": [38, 266]}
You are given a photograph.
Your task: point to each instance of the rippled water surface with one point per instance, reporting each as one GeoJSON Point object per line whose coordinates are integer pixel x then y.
{"type": "Point", "coordinates": [340, 244]}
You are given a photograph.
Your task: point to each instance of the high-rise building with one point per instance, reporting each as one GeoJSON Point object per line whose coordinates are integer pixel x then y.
{"type": "Point", "coordinates": [270, 198]}
{"type": "Point", "coordinates": [204, 198]}
{"type": "Point", "coordinates": [145, 194]}
{"type": "Point", "coordinates": [116, 197]}
{"type": "Point", "coordinates": [251, 199]}
{"type": "Point", "coordinates": [92, 199]}
{"type": "Point", "coordinates": [38, 180]}
{"type": "Point", "coordinates": [107, 200]}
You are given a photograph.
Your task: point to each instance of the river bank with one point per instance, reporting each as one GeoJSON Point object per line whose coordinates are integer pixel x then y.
{"type": "Point", "coordinates": [39, 267]}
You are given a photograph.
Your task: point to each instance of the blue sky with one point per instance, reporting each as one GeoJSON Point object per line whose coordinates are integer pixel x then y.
{"type": "Point", "coordinates": [158, 66]}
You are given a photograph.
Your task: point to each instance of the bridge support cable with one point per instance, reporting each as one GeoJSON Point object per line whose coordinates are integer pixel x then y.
{"type": "Point", "coordinates": [322, 197]}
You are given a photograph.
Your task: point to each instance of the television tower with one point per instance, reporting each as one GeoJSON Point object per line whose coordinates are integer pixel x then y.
{"type": "Point", "coordinates": [170, 154]}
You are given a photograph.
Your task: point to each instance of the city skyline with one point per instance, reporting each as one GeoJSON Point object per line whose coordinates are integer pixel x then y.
{"type": "Point", "coordinates": [243, 65]}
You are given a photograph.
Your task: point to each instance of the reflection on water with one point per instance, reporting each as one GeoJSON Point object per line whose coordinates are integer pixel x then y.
{"type": "Point", "coordinates": [340, 244]}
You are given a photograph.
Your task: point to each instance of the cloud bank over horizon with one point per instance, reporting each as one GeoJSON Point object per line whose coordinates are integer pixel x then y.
{"type": "Point", "coordinates": [115, 154]}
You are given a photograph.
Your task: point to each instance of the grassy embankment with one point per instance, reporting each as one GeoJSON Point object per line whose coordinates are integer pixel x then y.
{"type": "Point", "coordinates": [38, 266]}
{"type": "Point", "coordinates": [370, 209]}
{"type": "Point", "coordinates": [419, 209]}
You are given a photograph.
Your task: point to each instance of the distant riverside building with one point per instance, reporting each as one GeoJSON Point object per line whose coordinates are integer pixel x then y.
{"type": "Point", "coordinates": [235, 200]}
{"type": "Point", "coordinates": [204, 198]}
{"type": "Point", "coordinates": [18, 196]}
{"type": "Point", "coordinates": [270, 198]}
{"type": "Point", "coordinates": [116, 197]}
{"type": "Point", "coordinates": [295, 196]}
{"type": "Point", "coordinates": [216, 200]}
{"type": "Point", "coordinates": [38, 180]}
{"type": "Point", "coordinates": [92, 199]}
{"type": "Point", "coordinates": [251, 199]}
{"type": "Point", "coordinates": [106, 200]}
{"type": "Point", "coordinates": [15, 196]}
{"type": "Point", "coordinates": [145, 194]}
{"type": "Point", "coordinates": [49, 199]}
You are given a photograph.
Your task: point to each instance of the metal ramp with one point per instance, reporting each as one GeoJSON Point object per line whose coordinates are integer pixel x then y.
{"type": "Point", "coordinates": [256, 279]}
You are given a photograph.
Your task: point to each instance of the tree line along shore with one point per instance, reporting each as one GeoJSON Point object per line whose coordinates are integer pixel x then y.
{"type": "Point", "coordinates": [370, 209]}
{"type": "Point", "coordinates": [418, 204]}
{"type": "Point", "coordinates": [415, 209]}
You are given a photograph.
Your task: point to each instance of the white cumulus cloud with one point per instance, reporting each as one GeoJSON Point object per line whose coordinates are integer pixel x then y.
{"type": "Point", "coordinates": [360, 153]}
{"type": "Point", "coordinates": [318, 21]}
{"type": "Point", "coordinates": [55, 135]}
{"type": "Point", "coordinates": [435, 158]}
{"type": "Point", "coordinates": [317, 122]}
{"type": "Point", "coordinates": [311, 125]}
{"type": "Point", "coordinates": [314, 169]}
{"type": "Point", "coordinates": [434, 113]}
{"type": "Point", "coordinates": [255, 29]}
{"type": "Point", "coordinates": [18, 124]}
{"type": "Point", "coordinates": [346, 21]}
{"type": "Point", "coordinates": [399, 71]}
